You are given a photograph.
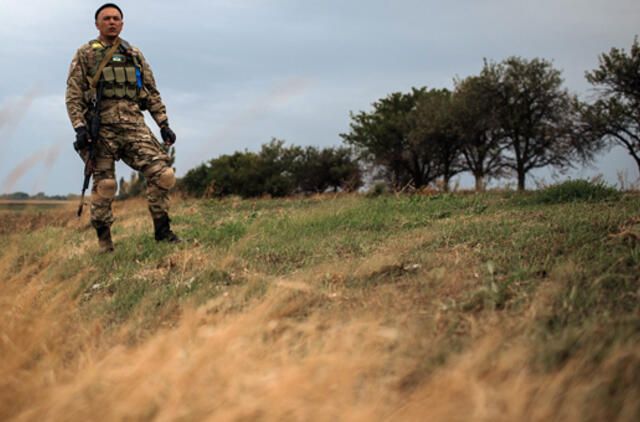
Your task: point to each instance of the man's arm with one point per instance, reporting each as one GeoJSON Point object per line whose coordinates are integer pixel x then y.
{"type": "Point", "coordinates": [154, 102]}
{"type": "Point", "coordinates": [77, 85]}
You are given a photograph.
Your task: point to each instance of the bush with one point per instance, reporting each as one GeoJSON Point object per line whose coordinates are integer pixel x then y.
{"type": "Point", "coordinates": [576, 190]}
{"type": "Point", "coordinates": [276, 171]}
{"type": "Point", "coordinates": [378, 189]}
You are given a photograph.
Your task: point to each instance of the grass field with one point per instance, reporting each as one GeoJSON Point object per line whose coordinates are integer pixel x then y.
{"type": "Point", "coordinates": [500, 306]}
{"type": "Point", "coordinates": [33, 205]}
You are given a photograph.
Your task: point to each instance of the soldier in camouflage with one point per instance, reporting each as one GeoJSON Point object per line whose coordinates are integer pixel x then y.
{"type": "Point", "coordinates": [128, 89]}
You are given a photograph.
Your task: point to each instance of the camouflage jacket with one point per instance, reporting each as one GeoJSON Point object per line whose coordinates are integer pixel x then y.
{"type": "Point", "coordinates": [113, 110]}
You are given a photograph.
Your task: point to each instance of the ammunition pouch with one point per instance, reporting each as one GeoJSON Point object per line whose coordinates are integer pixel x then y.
{"type": "Point", "coordinates": [122, 74]}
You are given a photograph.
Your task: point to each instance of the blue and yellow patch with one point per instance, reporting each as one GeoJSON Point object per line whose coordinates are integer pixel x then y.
{"type": "Point", "coordinates": [117, 58]}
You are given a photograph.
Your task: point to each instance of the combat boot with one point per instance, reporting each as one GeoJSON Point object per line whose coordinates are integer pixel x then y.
{"type": "Point", "coordinates": [104, 238]}
{"type": "Point", "coordinates": [163, 230]}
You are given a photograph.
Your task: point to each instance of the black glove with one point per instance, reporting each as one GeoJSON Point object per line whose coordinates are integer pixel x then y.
{"type": "Point", "coordinates": [167, 134]}
{"type": "Point", "coordinates": [82, 138]}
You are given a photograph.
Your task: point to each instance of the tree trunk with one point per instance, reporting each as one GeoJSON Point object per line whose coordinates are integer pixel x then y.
{"type": "Point", "coordinates": [479, 183]}
{"type": "Point", "coordinates": [445, 184]}
{"type": "Point", "coordinates": [521, 176]}
{"type": "Point", "coordinates": [636, 157]}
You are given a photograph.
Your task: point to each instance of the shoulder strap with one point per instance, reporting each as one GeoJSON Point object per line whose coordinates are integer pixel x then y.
{"type": "Point", "coordinates": [93, 82]}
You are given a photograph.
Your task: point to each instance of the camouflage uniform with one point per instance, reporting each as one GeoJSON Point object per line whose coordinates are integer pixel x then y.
{"type": "Point", "coordinates": [123, 133]}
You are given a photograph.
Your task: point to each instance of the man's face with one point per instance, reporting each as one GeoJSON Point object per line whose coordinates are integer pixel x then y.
{"type": "Point", "coordinates": [109, 23]}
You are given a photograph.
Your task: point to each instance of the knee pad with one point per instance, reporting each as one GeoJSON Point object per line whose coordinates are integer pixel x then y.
{"type": "Point", "coordinates": [166, 179]}
{"type": "Point", "coordinates": [106, 188]}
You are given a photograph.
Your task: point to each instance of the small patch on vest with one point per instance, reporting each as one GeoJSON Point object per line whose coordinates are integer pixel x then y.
{"type": "Point", "coordinates": [97, 45]}
{"type": "Point", "coordinates": [117, 58]}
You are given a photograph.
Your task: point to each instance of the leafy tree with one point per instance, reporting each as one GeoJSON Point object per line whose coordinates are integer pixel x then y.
{"type": "Point", "coordinates": [276, 164]}
{"type": "Point", "coordinates": [615, 117]}
{"type": "Point", "coordinates": [535, 115]}
{"type": "Point", "coordinates": [335, 168]}
{"type": "Point", "coordinates": [434, 130]}
{"type": "Point", "coordinates": [248, 174]}
{"type": "Point", "coordinates": [236, 174]}
{"type": "Point", "coordinates": [196, 181]}
{"type": "Point", "coordinates": [276, 171]}
{"type": "Point", "coordinates": [383, 138]}
{"type": "Point", "coordinates": [475, 112]}
{"type": "Point", "coordinates": [18, 195]}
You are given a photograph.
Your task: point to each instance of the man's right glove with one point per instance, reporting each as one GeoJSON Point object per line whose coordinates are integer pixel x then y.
{"type": "Point", "coordinates": [167, 134]}
{"type": "Point", "coordinates": [82, 138]}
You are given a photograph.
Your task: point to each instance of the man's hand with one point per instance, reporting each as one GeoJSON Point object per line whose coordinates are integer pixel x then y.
{"type": "Point", "coordinates": [167, 134]}
{"type": "Point", "coordinates": [82, 138]}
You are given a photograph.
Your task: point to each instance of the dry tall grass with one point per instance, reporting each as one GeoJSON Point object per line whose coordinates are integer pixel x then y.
{"type": "Point", "coordinates": [308, 349]}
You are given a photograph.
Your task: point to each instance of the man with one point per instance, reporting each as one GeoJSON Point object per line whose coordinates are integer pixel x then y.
{"type": "Point", "coordinates": [127, 86]}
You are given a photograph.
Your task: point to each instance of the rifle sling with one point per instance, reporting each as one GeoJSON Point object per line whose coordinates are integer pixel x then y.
{"type": "Point", "coordinates": [93, 82]}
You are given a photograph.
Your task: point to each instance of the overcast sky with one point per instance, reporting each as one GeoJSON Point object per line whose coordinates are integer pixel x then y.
{"type": "Point", "coordinates": [234, 74]}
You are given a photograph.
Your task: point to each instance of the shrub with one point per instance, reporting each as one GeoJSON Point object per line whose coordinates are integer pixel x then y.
{"type": "Point", "coordinates": [576, 190]}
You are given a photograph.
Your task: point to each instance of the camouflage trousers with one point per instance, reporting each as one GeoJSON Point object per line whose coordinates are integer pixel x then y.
{"type": "Point", "coordinates": [138, 148]}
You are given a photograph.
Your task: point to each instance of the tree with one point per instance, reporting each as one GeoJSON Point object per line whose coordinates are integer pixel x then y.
{"type": "Point", "coordinates": [475, 112]}
{"type": "Point", "coordinates": [319, 170]}
{"type": "Point", "coordinates": [615, 117]}
{"type": "Point", "coordinates": [434, 130]}
{"type": "Point", "coordinates": [382, 138]}
{"type": "Point", "coordinates": [196, 181]}
{"type": "Point", "coordinates": [276, 171]}
{"type": "Point", "coordinates": [276, 167]}
{"type": "Point", "coordinates": [535, 115]}
{"type": "Point", "coordinates": [236, 174]}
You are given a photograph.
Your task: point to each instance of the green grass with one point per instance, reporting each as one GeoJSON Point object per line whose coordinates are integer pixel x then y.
{"type": "Point", "coordinates": [560, 240]}
{"type": "Point", "coordinates": [575, 191]}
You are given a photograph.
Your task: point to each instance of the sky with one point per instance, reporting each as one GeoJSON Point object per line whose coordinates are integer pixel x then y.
{"type": "Point", "coordinates": [235, 74]}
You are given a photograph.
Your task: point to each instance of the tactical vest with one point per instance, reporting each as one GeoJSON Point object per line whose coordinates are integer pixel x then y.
{"type": "Point", "coordinates": [122, 75]}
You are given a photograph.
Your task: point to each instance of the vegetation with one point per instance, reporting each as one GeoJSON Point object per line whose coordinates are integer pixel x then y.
{"type": "Point", "coordinates": [491, 306]}
{"type": "Point", "coordinates": [512, 118]}
{"type": "Point", "coordinates": [475, 111]}
{"type": "Point", "coordinates": [387, 139]}
{"type": "Point", "coordinates": [276, 171]}
{"type": "Point", "coordinates": [40, 196]}
{"type": "Point", "coordinates": [534, 115]}
{"type": "Point", "coordinates": [614, 118]}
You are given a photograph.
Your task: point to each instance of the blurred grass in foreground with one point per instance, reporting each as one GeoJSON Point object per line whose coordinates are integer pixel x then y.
{"type": "Point", "coordinates": [494, 306]}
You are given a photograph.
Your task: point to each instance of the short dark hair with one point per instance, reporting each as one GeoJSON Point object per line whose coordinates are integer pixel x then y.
{"type": "Point", "coordinates": [109, 5]}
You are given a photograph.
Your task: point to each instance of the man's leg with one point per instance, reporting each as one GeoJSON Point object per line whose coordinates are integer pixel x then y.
{"type": "Point", "coordinates": [102, 194]}
{"type": "Point", "coordinates": [144, 153]}
{"type": "Point", "coordinates": [160, 179]}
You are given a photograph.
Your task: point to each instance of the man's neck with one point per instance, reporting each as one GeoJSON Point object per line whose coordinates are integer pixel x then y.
{"type": "Point", "coordinates": [107, 40]}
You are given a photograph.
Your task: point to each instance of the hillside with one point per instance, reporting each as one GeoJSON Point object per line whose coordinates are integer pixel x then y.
{"type": "Point", "coordinates": [500, 306]}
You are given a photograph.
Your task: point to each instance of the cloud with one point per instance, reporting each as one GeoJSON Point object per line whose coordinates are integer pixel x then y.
{"type": "Point", "coordinates": [14, 111]}
{"type": "Point", "coordinates": [218, 63]}
{"type": "Point", "coordinates": [48, 156]}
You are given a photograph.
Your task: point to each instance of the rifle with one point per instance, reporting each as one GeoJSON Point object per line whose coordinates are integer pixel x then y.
{"type": "Point", "coordinates": [94, 130]}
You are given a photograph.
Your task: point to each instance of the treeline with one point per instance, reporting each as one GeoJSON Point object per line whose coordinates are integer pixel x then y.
{"type": "Point", "coordinates": [513, 117]}
{"type": "Point", "coordinates": [276, 171]}
{"type": "Point", "coordinates": [40, 196]}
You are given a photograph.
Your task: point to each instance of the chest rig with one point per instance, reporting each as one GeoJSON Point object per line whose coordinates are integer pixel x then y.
{"type": "Point", "coordinates": [122, 74]}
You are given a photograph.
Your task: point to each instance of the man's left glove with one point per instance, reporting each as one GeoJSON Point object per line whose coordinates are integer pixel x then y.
{"type": "Point", "coordinates": [82, 139]}
{"type": "Point", "coordinates": [167, 134]}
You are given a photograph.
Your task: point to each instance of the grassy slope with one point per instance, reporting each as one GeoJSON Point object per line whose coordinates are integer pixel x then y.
{"type": "Point", "coordinates": [499, 306]}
